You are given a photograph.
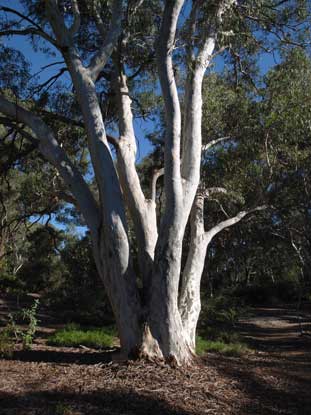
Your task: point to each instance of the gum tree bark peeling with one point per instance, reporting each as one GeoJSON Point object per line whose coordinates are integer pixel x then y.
{"type": "Point", "coordinates": [162, 320]}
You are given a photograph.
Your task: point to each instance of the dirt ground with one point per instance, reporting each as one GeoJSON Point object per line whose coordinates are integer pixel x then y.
{"type": "Point", "coordinates": [276, 379]}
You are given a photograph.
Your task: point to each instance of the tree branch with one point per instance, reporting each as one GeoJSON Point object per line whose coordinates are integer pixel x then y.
{"type": "Point", "coordinates": [166, 42]}
{"type": "Point", "coordinates": [110, 39]}
{"type": "Point", "coordinates": [190, 304]}
{"type": "Point", "coordinates": [29, 31]}
{"type": "Point", "coordinates": [58, 25]}
{"type": "Point", "coordinates": [213, 143]}
{"type": "Point", "coordinates": [49, 82]}
{"type": "Point", "coordinates": [35, 30]}
{"type": "Point", "coordinates": [155, 177]}
{"type": "Point", "coordinates": [143, 212]}
{"type": "Point", "coordinates": [66, 197]}
{"type": "Point", "coordinates": [76, 18]}
{"type": "Point", "coordinates": [210, 190]}
{"type": "Point", "coordinates": [62, 118]}
{"type": "Point", "coordinates": [232, 221]}
{"type": "Point", "coordinates": [9, 122]}
{"type": "Point", "coordinates": [55, 154]}
{"type": "Point", "coordinates": [192, 140]}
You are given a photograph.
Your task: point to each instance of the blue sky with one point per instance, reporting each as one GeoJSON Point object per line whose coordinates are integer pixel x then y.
{"type": "Point", "coordinates": [39, 60]}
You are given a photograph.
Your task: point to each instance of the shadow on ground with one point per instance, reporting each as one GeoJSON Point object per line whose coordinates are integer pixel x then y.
{"type": "Point", "coordinates": [102, 402]}
{"type": "Point", "coordinates": [277, 329]}
{"type": "Point", "coordinates": [65, 357]}
{"type": "Point", "coordinates": [273, 380]}
{"type": "Point", "coordinates": [269, 388]}
{"type": "Point", "coordinates": [276, 379]}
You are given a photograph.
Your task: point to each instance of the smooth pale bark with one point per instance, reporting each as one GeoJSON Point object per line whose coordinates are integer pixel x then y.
{"type": "Point", "coordinates": [181, 179]}
{"type": "Point", "coordinates": [190, 168]}
{"type": "Point", "coordinates": [190, 301]}
{"type": "Point", "coordinates": [165, 320]}
{"type": "Point", "coordinates": [156, 175]}
{"type": "Point", "coordinates": [142, 210]}
{"type": "Point", "coordinates": [174, 336]}
{"type": "Point", "coordinates": [112, 252]}
{"type": "Point", "coordinates": [192, 134]}
{"type": "Point", "coordinates": [192, 149]}
{"type": "Point", "coordinates": [119, 283]}
{"type": "Point", "coordinates": [110, 36]}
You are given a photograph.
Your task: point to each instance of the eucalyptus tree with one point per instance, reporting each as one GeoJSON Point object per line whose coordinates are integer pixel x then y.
{"type": "Point", "coordinates": [270, 160]}
{"type": "Point", "coordinates": [102, 46]}
{"type": "Point", "coordinates": [287, 122]}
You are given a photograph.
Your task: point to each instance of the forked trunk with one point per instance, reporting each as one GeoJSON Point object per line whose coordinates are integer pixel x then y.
{"type": "Point", "coordinates": [154, 324]}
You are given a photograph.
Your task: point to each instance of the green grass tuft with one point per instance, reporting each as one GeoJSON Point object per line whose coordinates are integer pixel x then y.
{"type": "Point", "coordinates": [219, 346]}
{"type": "Point", "coordinates": [6, 343]}
{"type": "Point", "coordinates": [73, 335]}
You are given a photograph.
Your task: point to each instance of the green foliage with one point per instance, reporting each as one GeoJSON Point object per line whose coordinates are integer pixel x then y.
{"type": "Point", "coordinates": [77, 292]}
{"type": "Point", "coordinates": [266, 162]}
{"type": "Point", "coordinates": [63, 409]}
{"type": "Point", "coordinates": [269, 292]}
{"type": "Point", "coordinates": [217, 331]}
{"type": "Point", "coordinates": [12, 333]}
{"type": "Point", "coordinates": [62, 270]}
{"type": "Point", "coordinates": [287, 105]}
{"type": "Point", "coordinates": [218, 346]}
{"type": "Point", "coordinates": [14, 70]}
{"type": "Point", "coordinates": [226, 334]}
{"type": "Point", "coordinates": [42, 264]}
{"type": "Point", "coordinates": [29, 316]}
{"type": "Point", "coordinates": [74, 336]}
{"type": "Point", "coordinates": [222, 310]}
{"type": "Point", "coordinates": [6, 343]}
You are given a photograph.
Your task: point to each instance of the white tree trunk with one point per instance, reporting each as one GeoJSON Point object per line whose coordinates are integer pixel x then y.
{"type": "Point", "coordinates": [190, 301]}
{"type": "Point", "coordinates": [165, 321]}
{"type": "Point", "coordinates": [142, 210]}
{"type": "Point", "coordinates": [111, 248]}
{"type": "Point", "coordinates": [172, 325]}
{"type": "Point", "coordinates": [110, 254]}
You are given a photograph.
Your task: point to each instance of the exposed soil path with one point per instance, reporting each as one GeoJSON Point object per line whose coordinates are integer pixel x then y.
{"type": "Point", "coordinates": [276, 379]}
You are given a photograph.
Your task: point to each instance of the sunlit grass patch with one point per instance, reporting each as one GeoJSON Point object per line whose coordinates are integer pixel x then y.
{"type": "Point", "coordinates": [73, 336]}
{"type": "Point", "coordinates": [219, 346]}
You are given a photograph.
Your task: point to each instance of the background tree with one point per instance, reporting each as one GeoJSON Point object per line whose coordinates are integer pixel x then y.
{"type": "Point", "coordinates": [266, 259]}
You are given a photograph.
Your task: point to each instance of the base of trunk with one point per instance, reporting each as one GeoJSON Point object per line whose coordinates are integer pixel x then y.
{"type": "Point", "coordinates": [150, 350]}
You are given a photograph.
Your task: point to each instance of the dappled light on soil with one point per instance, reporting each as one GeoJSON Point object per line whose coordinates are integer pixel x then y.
{"type": "Point", "coordinates": [75, 381]}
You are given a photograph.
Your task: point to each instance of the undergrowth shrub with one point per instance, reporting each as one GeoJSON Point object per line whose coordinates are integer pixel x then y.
{"type": "Point", "coordinates": [28, 316]}
{"type": "Point", "coordinates": [6, 343]}
{"type": "Point", "coordinates": [217, 330]}
{"type": "Point", "coordinates": [222, 310]}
